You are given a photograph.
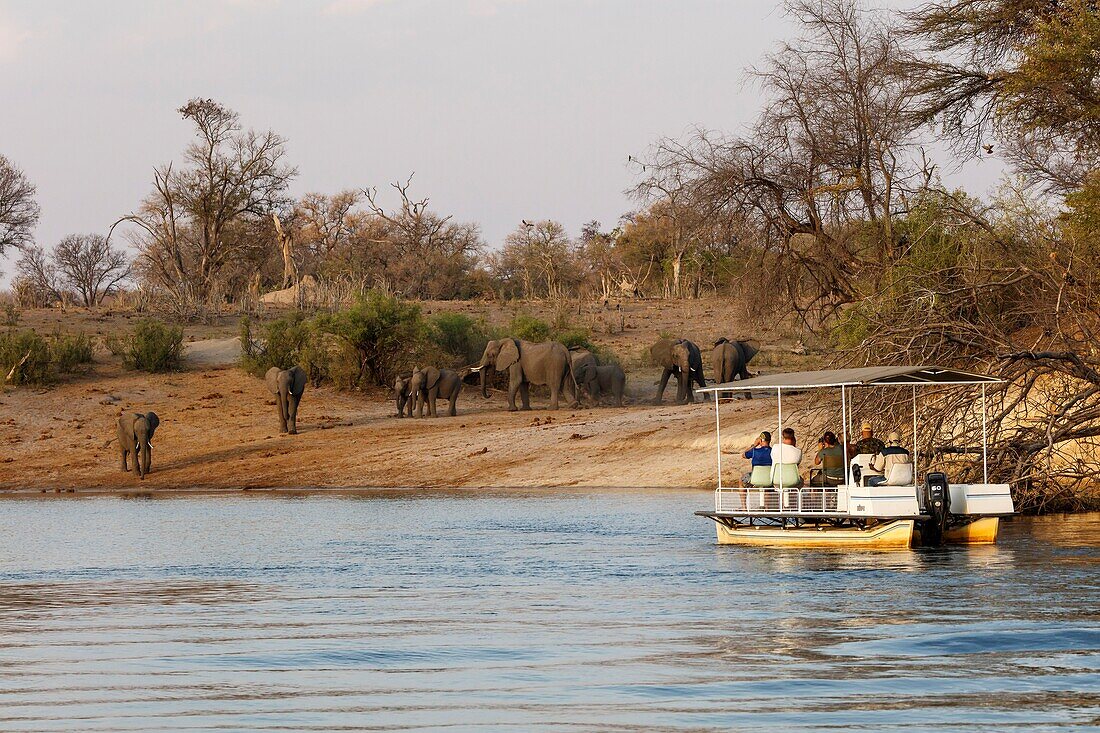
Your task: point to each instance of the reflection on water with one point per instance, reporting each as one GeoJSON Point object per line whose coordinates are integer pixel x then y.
{"type": "Point", "coordinates": [576, 611]}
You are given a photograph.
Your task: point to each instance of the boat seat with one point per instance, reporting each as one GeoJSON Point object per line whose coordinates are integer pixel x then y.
{"type": "Point", "coordinates": [785, 475]}
{"type": "Point", "coordinates": [863, 460]}
{"type": "Point", "coordinates": [761, 477]}
{"type": "Point", "coordinates": [901, 474]}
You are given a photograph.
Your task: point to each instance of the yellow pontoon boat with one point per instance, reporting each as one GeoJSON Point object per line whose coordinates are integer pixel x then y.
{"type": "Point", "coordinates": [901, 512]}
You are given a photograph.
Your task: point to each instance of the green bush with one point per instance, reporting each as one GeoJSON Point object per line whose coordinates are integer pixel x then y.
{"type": "Point", "coordinates": [383, 331]}
{"type": "Point", "coordinates": [529, 328]}
{"type": "Point", "coordinates": [69, 352]}
{"type": "Point", "coordinates": [605, 355]}
{"type": "Point", "coordinates": [573, 337]}
{"type": "Point", "coordinates": [283, 343]}
{"type": "Point", "coordinates": [24, 355]}
{"type": "Point", "coordinates": [459, 336]}
{"type": "Point", "coordinates": [11, 314]}
{"type": "Point", "coordinates": [153, 346]}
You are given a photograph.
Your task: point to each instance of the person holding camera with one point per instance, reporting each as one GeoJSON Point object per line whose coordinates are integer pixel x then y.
{"type": "Point", "coordinates": [830, 456]}
{"type": "Point", "coordinates": [759, 454]}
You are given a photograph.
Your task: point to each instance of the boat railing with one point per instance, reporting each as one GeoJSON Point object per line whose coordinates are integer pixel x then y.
{"type": "Point", "coordinates": [804, 500]}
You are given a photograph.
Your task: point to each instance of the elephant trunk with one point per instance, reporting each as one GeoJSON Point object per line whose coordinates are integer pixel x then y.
{"type": "Point", "coordinates": [146, 458]}
{"type": "Point", "coordinates": [282, 398]}
{"type": "Point", "coordinates": [484, 385]}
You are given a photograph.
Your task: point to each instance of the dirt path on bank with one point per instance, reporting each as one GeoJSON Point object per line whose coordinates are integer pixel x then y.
{"type": "Point", "coordinates": [219, 432]}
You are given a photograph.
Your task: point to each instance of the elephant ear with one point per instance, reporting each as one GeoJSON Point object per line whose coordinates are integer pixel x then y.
{"type": "Point", "coordinates": [748, 350]}
{"type": "Point", "coordinates": [431, 375]}
{"type": "Point", "coordinates": [509, 355]}
{"type": "Point", "coordinates": [271, 379]}
{"type": "Point", "coordinates": [661, 352]}
{"type": "Point", "coordinates": [153, 421]}
{"type": "Point", "coordinates": [298, 379]}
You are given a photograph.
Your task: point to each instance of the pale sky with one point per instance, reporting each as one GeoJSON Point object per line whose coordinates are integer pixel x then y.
{"type": "Point", "coordinates": [505, 109]}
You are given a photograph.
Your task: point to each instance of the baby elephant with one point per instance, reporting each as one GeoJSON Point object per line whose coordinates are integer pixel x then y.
{"type": "Point", "coordinates": [429, 383]}
{"type": "Point", "coordinates": [402, 394]}
{"type": "Point", "coordinates": [135, 435]}
{"type": "Point", "coordinates": [611, 379]}
{"type": "Point", "coordinates": [287, 385]}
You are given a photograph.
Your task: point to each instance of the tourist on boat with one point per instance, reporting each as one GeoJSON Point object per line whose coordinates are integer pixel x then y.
{"type": "Point", "coordinates": [787, 454]}
{"type": "Point", "coordinates": [868, 444]}
{"type": "Point", "coordinates": [759, 454]}
{"type": "Point", "coordinates": [883, 462]}
{"type": "Point", "coordinates": [830, 456]}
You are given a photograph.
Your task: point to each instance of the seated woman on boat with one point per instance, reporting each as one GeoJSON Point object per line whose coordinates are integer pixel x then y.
{"type": "Point", "coordinates": [785, 460]}
{"type": "Point", "coordinates": [830, 456]}
{"type": "Point", "coordinates": [889, 462]}
{"type": "Point", "coordinates": [760, 456]}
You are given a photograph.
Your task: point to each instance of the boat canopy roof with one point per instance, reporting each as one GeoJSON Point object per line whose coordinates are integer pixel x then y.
{"type": "Point", "coordinates": [858, 377]}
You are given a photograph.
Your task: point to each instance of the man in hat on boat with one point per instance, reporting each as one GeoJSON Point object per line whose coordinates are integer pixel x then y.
{"type": "Point", "coordinates": [867, 444]}
{"type": "Point", "coordinates": [884, 460]}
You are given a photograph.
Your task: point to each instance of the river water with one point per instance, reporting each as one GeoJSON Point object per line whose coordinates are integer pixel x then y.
{"type": "Point", "coordinates": [514, 611]}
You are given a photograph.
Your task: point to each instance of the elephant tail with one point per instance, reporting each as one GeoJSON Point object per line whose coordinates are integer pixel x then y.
{"type": "Point", "coordinates": [569, 378]}
{"type": "Point", "coordinates": [727, 366]}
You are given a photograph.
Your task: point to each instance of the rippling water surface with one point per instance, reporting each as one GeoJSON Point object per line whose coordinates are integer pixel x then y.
{"type": "Point", "coordinates": [567, 611]}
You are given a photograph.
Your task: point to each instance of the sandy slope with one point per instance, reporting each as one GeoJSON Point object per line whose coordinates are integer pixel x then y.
{"type": "Point", "coordinates": [219, 432]}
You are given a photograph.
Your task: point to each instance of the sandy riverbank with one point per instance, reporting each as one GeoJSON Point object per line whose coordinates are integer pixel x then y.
{"type": "Point", "coordinates": [219, 433]}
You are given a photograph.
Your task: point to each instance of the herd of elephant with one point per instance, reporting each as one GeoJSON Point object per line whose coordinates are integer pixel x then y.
{"type": "Point", "coordinates": [569, 373]}
{"type": "Point", "coordinates": [566, 372]}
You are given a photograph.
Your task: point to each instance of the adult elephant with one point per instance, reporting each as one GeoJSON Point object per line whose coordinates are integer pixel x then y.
{"type": "Point", "coordinates": [730, 359]}
{"type": "Point", "coordinates": [135, 437]}
{"type": "Point", "coordinates": [428, 384]}
{"type": "Point", "coordinates": [527, 363]}
{"type": "Point", "coordinates": [583, 363]}
{"type": "Point", "coordinates": [679, 357]}
{"type": "Point", "coordinates": [287, 385]}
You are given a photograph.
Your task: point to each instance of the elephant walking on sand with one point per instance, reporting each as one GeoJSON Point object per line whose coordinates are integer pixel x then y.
{"type": "Point", "coordinates": [135, 436]}
{"type": "Point", "coordinates": [610, 379]}
{"type": "Point", "coordinates": [528, 363]}
{"type": "Point", "coordinates": [730, 359]}
{"type": "Point", "coordinates": [402, 394]}
{"type": "Point", "coordinates": [428, 384]}
{"type": "Point", "coordinates": [681, 358]}
{"type": "Point", "coordinates": [287, 385]}
{"type": "Point", "coordinates": [583, 364]}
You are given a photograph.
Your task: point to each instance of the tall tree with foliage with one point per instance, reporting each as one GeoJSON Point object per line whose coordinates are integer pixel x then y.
{"type": "Point", "coordinates": [1025, 72]}
{"type": "Point", "coordinates": [201, 216]}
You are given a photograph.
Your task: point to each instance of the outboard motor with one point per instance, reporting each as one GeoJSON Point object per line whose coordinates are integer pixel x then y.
{"type": "Point", "coordinates": [937, 503]}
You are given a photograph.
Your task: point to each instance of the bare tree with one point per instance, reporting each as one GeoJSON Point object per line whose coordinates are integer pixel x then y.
{"type": "Point", "coordinates": [427, 255]}
{"type": "Point", "coordinates": [326, 222]}
{"type": "Point", "coordinates": [18, 209]}
{"type": "Point", "coordinates": [228, 176]}
{"type": "Point", "coordinates": [88, 265]}
{"type": "Point", "coordinates": [37, 278]}
{"type": "Point", "coordinates": [827, 157]}
{"type": "Point", "coordinates": [537, 261]}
